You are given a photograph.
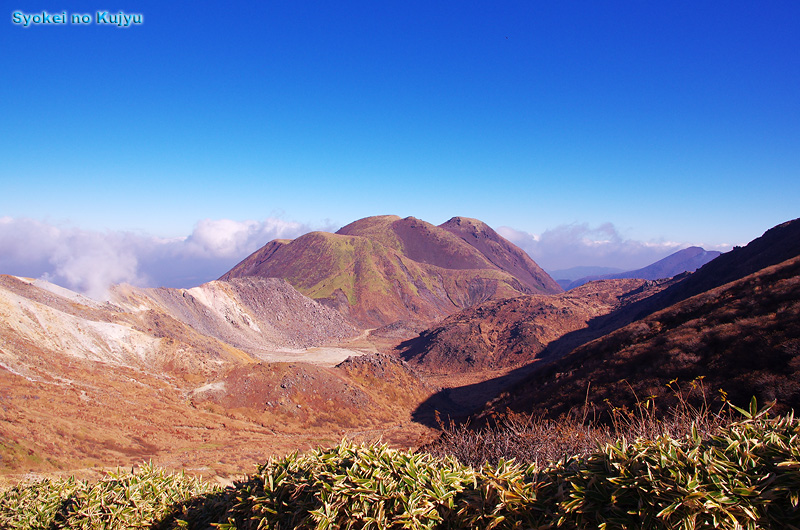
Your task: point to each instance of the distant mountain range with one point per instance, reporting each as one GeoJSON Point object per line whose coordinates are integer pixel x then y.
{"type": "Point", "coordinates": [686, 260]}
{"type": "Point", "coordinates": [382, 269]}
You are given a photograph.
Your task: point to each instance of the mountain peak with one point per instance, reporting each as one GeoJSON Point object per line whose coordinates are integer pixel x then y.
{"type": "Point", "coordinates": [501, 253]}
{"type": "Point", "coordinates": [685, 260]}
{"type": "Point", "coordinates": [465, 222]}
{"type": "Point", "coordinates": [383, 268]}
{"type": "Point", "coordinates": [375, 221]}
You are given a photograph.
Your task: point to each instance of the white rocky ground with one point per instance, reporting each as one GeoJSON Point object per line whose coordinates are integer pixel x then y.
{"type": "Point", "coordinates": [263, 319]}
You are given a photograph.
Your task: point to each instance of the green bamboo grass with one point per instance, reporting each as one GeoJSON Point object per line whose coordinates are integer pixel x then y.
{"type": "Point", "coordinates": [120, 500]}
{"type": "Point", "coordinates": [747, 476]}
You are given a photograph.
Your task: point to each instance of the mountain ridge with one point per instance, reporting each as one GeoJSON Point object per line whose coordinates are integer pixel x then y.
{"type": "Point", "coordinates": [183, 375]}
{"type": "Point", "coordinates": [742, 337]}
{"type": "Point", "coordinates": [504, 334]}
{"type": "Point", "coordinates": [381, 269]}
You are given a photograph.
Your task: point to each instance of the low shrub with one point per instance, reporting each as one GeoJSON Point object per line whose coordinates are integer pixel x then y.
{"type": "Point", "coordinates": [745, 475]}
{"type": "Point", "coordinates": [34, 505]}
{"type": "Point", "coordinates": [348, 486]}
{"type": "Point", "coordinates": [120, 500]}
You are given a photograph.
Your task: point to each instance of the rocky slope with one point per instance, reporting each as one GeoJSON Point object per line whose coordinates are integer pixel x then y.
{"type": "Point", "coordinates": [254, 314]}
{"type": "Point", "coordinates": [35, 321]}
{"type": "Point", "coordinates": [383, 269]}
{"type": "Point", "coordinates": [508, 333]}
{"type": "Point", "coordinates": [181, 377]}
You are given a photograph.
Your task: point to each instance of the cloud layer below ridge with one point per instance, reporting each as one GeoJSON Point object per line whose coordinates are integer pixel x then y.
{"type": "Point", "coordinates": [577, 244]}
{"type": "Point", "coordinates": [90, 261]}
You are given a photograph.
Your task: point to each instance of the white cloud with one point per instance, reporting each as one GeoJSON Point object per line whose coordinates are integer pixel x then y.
{"type": "Point", "coordinates": [224, 238]}
{"type": "Point", "coordinates": [579, 244]}
{"type": "Point", "coordinates": [89, 262]}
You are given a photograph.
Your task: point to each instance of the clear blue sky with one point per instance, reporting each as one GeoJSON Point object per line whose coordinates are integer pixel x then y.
{"type": "Point", "coordinates": [671, 120]}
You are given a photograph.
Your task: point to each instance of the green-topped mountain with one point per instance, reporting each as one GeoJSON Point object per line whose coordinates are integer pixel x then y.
{"type": "Point", "coordinates": [382, 269]}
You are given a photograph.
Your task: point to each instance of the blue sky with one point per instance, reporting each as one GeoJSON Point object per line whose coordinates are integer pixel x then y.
{"type": "Point", "coordinates": [671, 123]}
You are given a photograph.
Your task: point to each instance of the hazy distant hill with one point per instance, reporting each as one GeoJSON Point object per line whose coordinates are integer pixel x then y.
{"type": "Point", "coordinates": [686, 260]}
{"type": "Point", "coordinates": [382, 269]}
{"type": "Point", "coordinates": [776, 245]}
{"type": "Point", "coordinates": [564, 277]}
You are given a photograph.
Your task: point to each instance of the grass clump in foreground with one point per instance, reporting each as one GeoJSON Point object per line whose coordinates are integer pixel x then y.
{"type": "Point", "coordinates": [746, 475]}
{"type": "Point", "coordinates": [120, 500]}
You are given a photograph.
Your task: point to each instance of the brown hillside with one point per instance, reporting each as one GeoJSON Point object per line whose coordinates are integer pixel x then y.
{"type": "Point", "coordinates": [776, 245]}
{"type": "Point", "coordinates": [367, 391]}
{"type": "Point", "coordinates": [366, 281]}
{"type": "Point", "coordinates": [508, 333]}
{"type": "Point", "coordinates": [154, 375]}
{"type": "Point", "coordinates": [419, 241]}
{"type": "Point", "coordinates": [502, 253]}
{"type": "Point", "coordinates": [743, 337]}
{"type": "Point", "coordinates": [382, 269]}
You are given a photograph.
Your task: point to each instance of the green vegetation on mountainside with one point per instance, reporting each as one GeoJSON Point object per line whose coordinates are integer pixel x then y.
{"type": "Point", "coordinates": [354, 267]}
{"type": "Point", "coordinates": [365, 270]}
{"type": "Point", "coordinates": [376, 229]}
{"type": "Point", "coordinates": [382, 269]}
{"type": "Point", "coordinates": [120, 500]}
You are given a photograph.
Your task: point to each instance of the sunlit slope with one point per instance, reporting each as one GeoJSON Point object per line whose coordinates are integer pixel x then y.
{"type": "Point", "coordinates": [205, 376]}
{"type": "Point", "coordinates": [382, 269]}
{"type": "Point", "coordinates": [508, 333]}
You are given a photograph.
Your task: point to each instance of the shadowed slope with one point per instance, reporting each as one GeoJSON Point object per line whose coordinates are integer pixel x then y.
{"type": "Point", "coordinates": [775, 246]}
{"type": "Point", "coordinates": [778, 244]}
{"type": "Point", "coordinates": [736, 321]}
{"type": "Point", "coordinates": [743, 337]}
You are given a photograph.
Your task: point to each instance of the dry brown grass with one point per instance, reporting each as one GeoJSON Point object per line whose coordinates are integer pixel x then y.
{"type": "Point", "coordinates": [744, 337]}
{"type": "Point", "coordinates": [535, 438]}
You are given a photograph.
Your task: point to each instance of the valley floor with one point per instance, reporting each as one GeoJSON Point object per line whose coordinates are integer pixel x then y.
{"type": "Point", "coordinates": [95, 418]}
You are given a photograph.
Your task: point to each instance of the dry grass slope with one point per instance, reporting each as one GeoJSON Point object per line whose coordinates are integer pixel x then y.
{"type": "Point", "coordinates": [743, 337]}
